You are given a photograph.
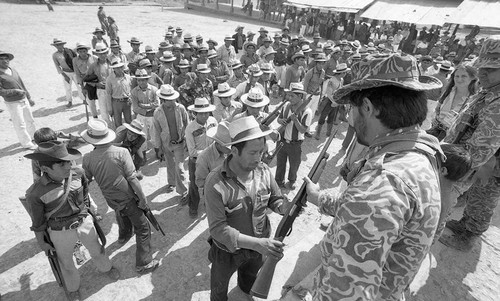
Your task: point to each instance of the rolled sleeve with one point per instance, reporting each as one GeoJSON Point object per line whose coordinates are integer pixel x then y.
{"type": "Point", "coordinates": [216, 214]}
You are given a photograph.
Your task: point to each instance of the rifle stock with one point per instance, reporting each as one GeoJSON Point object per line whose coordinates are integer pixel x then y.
{"type": "Point", "coordinates": [273, 115]}
{"type": "Point", "coordinates": [264, 279]}
{"type": "Point", "coordinates": [152, 219]}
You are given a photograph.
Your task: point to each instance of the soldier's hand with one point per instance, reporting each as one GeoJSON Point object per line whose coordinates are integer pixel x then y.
{"type": "Point", "coordinates": [143, 205]}
{"type": "Point", "coordinates": [269, 246]}
{"type": "Point", "coordinates": [281, 121]}
{"type": "Point", "coordinates": [312, 190]}
{"type": "Point", "coordinates": [46, 247]}
{"type": "Point", "coordinates": [20, 92]}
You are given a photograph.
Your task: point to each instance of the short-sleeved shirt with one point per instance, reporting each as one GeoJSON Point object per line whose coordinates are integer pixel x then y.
{"type": "Point", "coordinates": [291, 132]}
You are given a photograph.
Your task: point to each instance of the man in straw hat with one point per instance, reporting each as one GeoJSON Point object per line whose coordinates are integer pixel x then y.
{"type": "Point", "coordinates": [144, 103]}
{"type": "Point", "coordinates": [477, 129]}
{"type": "Point", "coordinates": [118, 93]}
{"type": "Point", "coordinates": [98, 37]}
{"type": "Point", "coordinates": [134, 56]}
{"type": "Point", "coordinates": [17, 100]}
{"type": "Point", "coordinates": [254, 102]}
{"type": "Point", "coordinates": [151, 56]}
{"type": "Point", "coordinates": [154, 79]}
{"type": "Point", "coordinates": [225, 107]}
{"type": "Point", "coordinates": [202, 57]}
{"type": "Point", "coordinates": [63, 60]}
{"type": "Point", "coordinates": [58, 205]}
{"type": "Point", "coordinates": [132, 137]}
{"type": "Point", "coordinates": [313, 81]}
{"type": "Point", "coordinates": [182, 77]}
{"type": "Point", "coordinates": [254, 74]}
{"type": "Point", "coordinates": [116, 52]}
{"type": "Point", "coordinates": [238, 76]}
{"type": "Point", "coordinates": [388, 104]}
{"type": "Point", "coordinates": [197, 141]}
{"type": "Point", "coordinates": [226, 52]}
{"type": "Point", "coordinates": [219, 71]}
{"type": "Point", "coordinates": [237, 195]}
{"type": "Point", "coordinates": [81, 64]}
{"type": "Point", "coordinates": [101, 15]}
{"type": "Point", "coordinates": [114, 171]}
{"type": "Point", "coordinates": [239, 38]}
{"type": "Point", "coordinates": [170, 121]}
{"type": "Point", "coordinates": [250, 57]}
{"type": "Point", "coordinates": [167, 70]}
{"type": "Point", "coordinates": [297, 121]}
{"type": "Point", "coordinates": [202, 87]}
{"type": "Point", "coordinates": [100, 69]}
{"type": "Point", "coordinates": [295, 73]}
{"type": "Point", "coordinates": [212, 156]}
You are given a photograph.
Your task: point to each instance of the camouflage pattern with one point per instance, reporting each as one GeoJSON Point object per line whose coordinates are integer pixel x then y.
{"type": "Point", "coordinates": [384, 222]}
{"type": "Point", "coordinates": [489, 55]}
{"type": "Point", "coordinates": [478, 128]}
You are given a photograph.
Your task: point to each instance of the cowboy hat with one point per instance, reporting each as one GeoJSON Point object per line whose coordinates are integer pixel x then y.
{"type": "Point", "coordinates": [149, 49]}
{"type": "Point", "coordinates": [203, 47]}
{"type": "Point", "coordinates": [228, 38]}
{"type": "Point", "coordinates": [54, 151]}
{"type": "Point", "coordinates": [246, 129]}
{"type": "Point", "coordinates": [267, 39]}
{"type": "Point", "coordinates": [390, 70]}
{"type": "Point", "coordinates": [9, 55]}
{"type": "Point", "coordinates": [199, 37]}
{"type": "Point", "coordinates": [235, 64]}
{"type": "Point", "coordinates": [188, 38]}
{"type": "Point", "coordinates": [211, 54]}
{"type": "Point", "coordinates": [262, 29]}
{"type": "Point", "coordinates": [178, 29]}
{"type": "Point", "coordinates": [296, 88]}
{"type": "Point", "coordinates": [203, 68]}
{"type": "Point", "coordinates": [268, 51]}
{"type": "Point", "coordinates": [254, 70]}
{"type": "Point", "coordinates": [248, 44]}
{"type": "Point", "coordinates": [446, 66]}
{"type": "Point", "coordinates": [57, 42]}
{"type": "Point", "coordinates": [80, 45]}
{"type": "Point", "coordinates": [266, 68]}
{"type": "Point", "coordinates": [220, 134]}
{"type": "Point", "coordinates": [168, 34]}
{"type": "Point", "coordinates": [164, 45]}
{"type": "Point", "coordinates": [98, 133]}
{"type": "Point", "coordinates": [183, 64]}
{"type": "Point", "coordinates": [224, 90]}
{"type": "Point", "coordinates": [141, 74]}
{"type": "Point", "coordinates": [255, 98]}
{"type": "Point", "coordinates": [101, 48]}
{"type": "Point", "coordinates": [201, 105]}
{"type": "Point", "coordinates": [212, 41]}
{"type": "Point", "coordinates": [113, 44]}
{"type": "Point", "coordinates": [167, 92]}
{"type": "Point", "coordinates": [316, 35]}
{"type": "Point", "coordinates": [97, 29]}
{"type": "Point", "coordinates": [116, 63]}
{"type": "Point", "coordinates": [239, 27]}
{"type": "Point", "coordinates": [168, 56]}
{"type": "Point", "coordinates": [298, 54]}
{"type": "Point", "coordinates": [144, 63]}
{"type": "Point", "coordinates": [489, 55]}
{"type": "Point", "coordinates": [134, 40]}
{"type": "Point", "coordinates": [135, 126]}
{"type": "Point", "coordinates": [342, 67]}
{"type": "Point", "coordinates": [320, 57]}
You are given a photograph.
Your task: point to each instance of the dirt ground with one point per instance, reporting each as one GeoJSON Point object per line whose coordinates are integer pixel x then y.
{"type": "Point", "coordinates": [27, 31]}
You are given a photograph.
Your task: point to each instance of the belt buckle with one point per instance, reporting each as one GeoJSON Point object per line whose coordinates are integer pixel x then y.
{"type": "Point", "coordinates": [75, 224]}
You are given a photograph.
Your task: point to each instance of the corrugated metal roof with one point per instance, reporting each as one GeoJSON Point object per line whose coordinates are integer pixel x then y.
{"type": "Point", "coordinates": [485, 13]}
{"type": "Point", "coordinates": [434, 12]}
{"type": "Point", "coordinates": [349, 6]}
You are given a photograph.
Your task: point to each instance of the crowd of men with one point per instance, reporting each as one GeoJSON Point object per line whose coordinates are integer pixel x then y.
{"type": "Point", "coordinates": [210, 106]}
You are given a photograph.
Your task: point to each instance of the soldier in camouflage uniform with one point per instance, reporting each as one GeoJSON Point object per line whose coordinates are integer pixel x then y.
{"type": "Point", "coordinates": [385, 221]}
{"type": "Point", "coordinates": [478, 129]}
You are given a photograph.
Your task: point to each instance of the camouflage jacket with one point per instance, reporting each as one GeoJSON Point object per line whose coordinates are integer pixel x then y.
{"type": "Point", "coordinates": [482, 137]}
{"type": "Point", "coordinates": [384, 222]}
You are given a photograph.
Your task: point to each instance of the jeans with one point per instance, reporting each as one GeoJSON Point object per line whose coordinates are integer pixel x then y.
{"type": "Point", "coordinates": [119, 108]}
{"type": "Point", "coordinates": [131, 217]}
{"type": "Point", "coordinates": [291, 152]}
{"type": "Point", "coordinates": [175, 154]}
{"type": "Point", "coordinates": [328, 113]}
{"type": "Point", "coordinates": [193, 194]}
{"type": "Point", "coordinates": [224, 264]}
{"type": "Point", "coordinates": [24, 124]}
{"type": "Point", "coordinates": [64, 243]}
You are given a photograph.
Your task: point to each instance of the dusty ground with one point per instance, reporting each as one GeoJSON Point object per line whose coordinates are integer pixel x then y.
{"type": "Point", "coordinates": [27, 31]}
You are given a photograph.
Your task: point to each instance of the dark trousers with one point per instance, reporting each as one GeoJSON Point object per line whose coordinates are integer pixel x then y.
{"type": "Point", "coordinates": [292, 152]}
{"type": "Point", "coordinates": [224, 264]}
{"type": "Point", "coordinates": [348, 137]}
{"type": "Point", "coordinates": [193, 194]}
{"type": "Point", "coordinates": [129, 219]}
{"type": "Point", "coordinates": [328, 113]}
{"type": "Point", "coordinates": [119, 108]}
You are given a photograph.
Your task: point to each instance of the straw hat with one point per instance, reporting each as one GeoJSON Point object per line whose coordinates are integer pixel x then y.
{"type": "Point", "coordinates": [135, 126]}
{"type": "Point", "coordinates": [235, 64]}
{"type": "Point", "coordinates": [298, 54]}
{"type": "Point", "coordinates": [266, 68]}
{"type": "Point", "coordinates": [101, 48]}
{"type": "Point", "coordinates": [167, 92]}
{"type": "Point", "coordinates": [57, 41]}
{"type": "Point", "coordinates": [320, 57]}
{"type": "Point", "coordinates": [391, 70]}
{"type": "Point", "coordinates": [54, 151]}
{"type": "Point", "coordinates": [255, 98]}
{"type": "Point", "coordinates": [202, 68]}
{"type": "Point", "coordinates": [183, 64]}
{"type": "Point", "coordinates": [149, 49]}
{"type": "Point", "coordinates": [201, 105]}
{"type": "Point", "coordinates": [228, 38]}
{"type": "Point", "coordinates": [262, 29]}
{"type": "Point", "coordinates": [80, 45]}
{"type": "Point", "coordinates": [134, 40]}
{"type": "Point", "coordinates": [98, 133]}
{"type": "Point", "coordinates": [224, 90]}
{"type": "Point", "coordinates": [446, 66]}
{"type": "Point", "coordinates": [254, 70]}
{"type": "Point", "coordinates": [246, 129]}
{"type": "Point", "coordinates": [9, 55]}
{"type": "Point", "coordinates": [211, 54]}
{"type": "Point", "coordinates": [98, 30]}
{"type": "Point", "coordinates": [145, 63]}
{"type": "Point", "coordinates": [168, 56]}
{"type": "Point", "coordinates": [296, 88]}
{"type": "Point", "coordinates": [141, 74]}
{"type": "Point", "coordinates": [342, 67]}
{"type": "Point", "coordinates": [114, 44]}
{"type": "Point", "coordinates": [116, 63]}
{"type": "Point", "coordinates": [220, 134]}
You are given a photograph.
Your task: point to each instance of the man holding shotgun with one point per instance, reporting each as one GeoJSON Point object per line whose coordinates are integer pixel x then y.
{"type": "Point", "coordinates": [238, 194]}
{"type": "Point", "coordinates": [384, 222]}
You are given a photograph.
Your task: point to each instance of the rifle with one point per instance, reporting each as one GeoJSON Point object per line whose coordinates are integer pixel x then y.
{"type": "Point", "coordinates": [262, 284]}
{"type": "Point", "coordinates": [152, 219]}
{"type": "Point", "coordinates": [271, 117]}
{"type": "Point", "coordinates": [281, 130]}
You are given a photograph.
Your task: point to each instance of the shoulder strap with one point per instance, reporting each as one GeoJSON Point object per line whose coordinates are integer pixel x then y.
{"type": "Point", "coordinates": [63, 199]}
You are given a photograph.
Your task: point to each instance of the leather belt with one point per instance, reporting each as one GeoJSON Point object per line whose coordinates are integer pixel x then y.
{"type": "Point", "coordinates": [292, 141]}
{"type": "Point", "coordinates": [121, 99]}
{"type": "Point", "coordinates": [176, 142]}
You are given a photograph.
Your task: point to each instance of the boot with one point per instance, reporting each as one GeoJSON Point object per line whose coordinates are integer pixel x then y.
{"type": "Point", "coordinates": [329, 128]}
{"type": "Point", "coordinates": [318, 131]}
{"type": "Point", "coordinates": [462, 242]}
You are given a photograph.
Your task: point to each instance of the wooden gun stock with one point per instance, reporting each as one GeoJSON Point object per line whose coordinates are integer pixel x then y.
{"type": "Point", "coordinates": [273, 115]}
{"type": "Point", "coordinates": [264, 279]}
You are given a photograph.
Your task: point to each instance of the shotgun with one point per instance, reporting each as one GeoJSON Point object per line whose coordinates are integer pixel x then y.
{"type": "Point", "coordinates": [264, 279]}
{"type": "Point", "coordinates": [152, 219]}
{"type": "Point", "coordinates": [273, 115]}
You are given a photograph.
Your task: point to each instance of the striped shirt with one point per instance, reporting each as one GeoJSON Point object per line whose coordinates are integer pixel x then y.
{"type": "Point", "coordinates": [291, 132]}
